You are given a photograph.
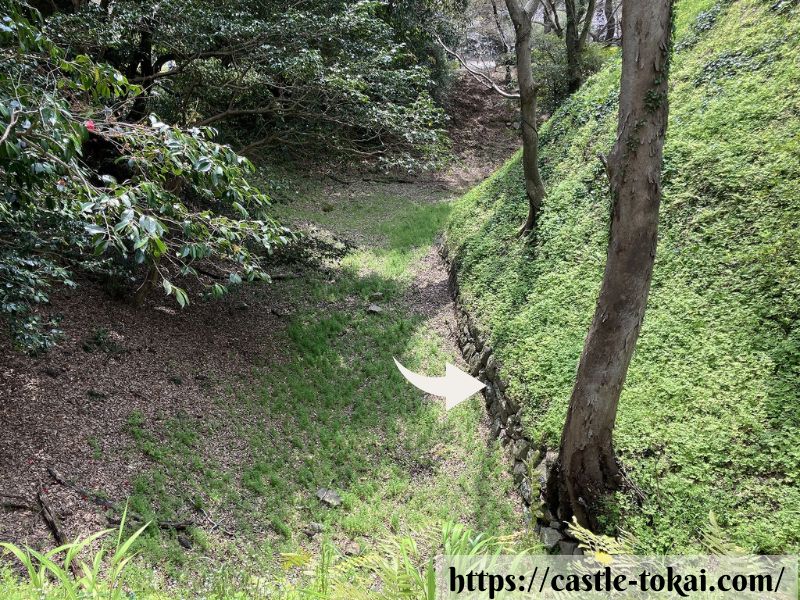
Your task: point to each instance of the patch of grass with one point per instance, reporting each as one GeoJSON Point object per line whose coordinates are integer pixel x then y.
{"type": "Point", "coordinates": [400, 566]}
{"type": "Point", "coordinates": [350, 422]}
{"type": "Point", "coordinates": [334, 412]}
{"type": "Point", "coordinates": [97, 449]}
{"type": "Point", "coordinates": [709, 418]}
{"type": "Point", "coordinates": [408, 237]}
{"type": "Point", "coordinates": [392, 231]}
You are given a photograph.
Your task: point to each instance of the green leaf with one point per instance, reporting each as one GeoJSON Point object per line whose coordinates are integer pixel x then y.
{"type": "Point", "coordinates": [93, 229]}
{"type": "Point", "coordinates": [181, 297]}
{"type": "Point", "coordinates": [159, 247]}
{"type": "Point", "coordinates": [203, 164]}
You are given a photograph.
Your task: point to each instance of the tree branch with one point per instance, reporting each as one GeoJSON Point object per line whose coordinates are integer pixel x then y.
{"type": "Point", "coordinates": [498, 22]}
{"type": "Point", "coordinates": [554, 19]}
{"type": "Point", "coordinates": [516, 12]}
{"type": "Point", "coordinates": [480, 77]}
{"type": "Point", "coordinates": [11, 123]}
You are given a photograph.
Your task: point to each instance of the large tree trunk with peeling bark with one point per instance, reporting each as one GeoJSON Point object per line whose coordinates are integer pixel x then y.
{"type": "Point", "coordinates": [521, 17]}
{"type": "Point", "coordinates": [586, 469]}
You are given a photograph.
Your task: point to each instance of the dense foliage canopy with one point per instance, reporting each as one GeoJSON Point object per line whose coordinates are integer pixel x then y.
{"type": "Point", "coordinates": [343, 76]}
{"type": "Point", "coordinates": [84, 188]}
{"type": "Point", "coordinates": [94, 180]}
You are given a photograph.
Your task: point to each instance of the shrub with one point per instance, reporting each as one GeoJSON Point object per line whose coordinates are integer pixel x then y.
{"type": "Point", "coordinates": [349, 79]}
{"type": "Point", "coordinates": [83, 189]}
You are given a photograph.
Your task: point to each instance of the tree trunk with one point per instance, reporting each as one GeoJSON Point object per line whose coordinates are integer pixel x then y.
{"type": "Point", "coordinates": [141, 294]}
{"type": "Point", "coordinates": [588, 19]}
{"type": "Point", "coordinates": [499, 23]}
{"type": "Point", "coordinates": [577, 31]}
{"type": "Point", "coordinates": [551, 22]}
{"type": "Point", "coordinates": [611, 21]}
{"type": "Point", "coordinates": [142, 63]}
{"type": "Point", "coordinates": [571, 40]}
{"type": "Point", "coordinates": [586, 469]}
{"type": "Point", "coordinates": [534, 188]}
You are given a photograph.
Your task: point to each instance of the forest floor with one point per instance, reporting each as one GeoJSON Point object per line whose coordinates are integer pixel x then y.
{"type": "Point", "coordinates": [233, 414]}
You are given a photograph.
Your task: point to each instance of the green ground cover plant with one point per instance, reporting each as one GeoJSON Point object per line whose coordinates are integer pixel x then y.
{"type": "Point", "coordinates": [709, 416]}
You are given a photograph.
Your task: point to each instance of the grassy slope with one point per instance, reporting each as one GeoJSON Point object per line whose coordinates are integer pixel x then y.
{"type": "Point", "coordinates": [709, 419]}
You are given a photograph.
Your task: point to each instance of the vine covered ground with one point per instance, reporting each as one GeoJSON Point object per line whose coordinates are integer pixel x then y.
{"type": "Point", "coordinates": [708, 419]}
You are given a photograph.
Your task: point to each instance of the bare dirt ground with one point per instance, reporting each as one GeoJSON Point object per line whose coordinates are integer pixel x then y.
{"type": "Point", "coordinates": [69, 409]}
{"type": "Point", "coordinates": [483, 132]}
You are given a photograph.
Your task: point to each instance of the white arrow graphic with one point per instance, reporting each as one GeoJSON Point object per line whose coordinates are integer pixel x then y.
{"type": "Point", "coordinates": [456, 386]}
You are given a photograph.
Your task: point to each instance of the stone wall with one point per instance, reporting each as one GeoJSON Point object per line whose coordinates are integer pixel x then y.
{"type": "Point", "coordinates": [530, 463]}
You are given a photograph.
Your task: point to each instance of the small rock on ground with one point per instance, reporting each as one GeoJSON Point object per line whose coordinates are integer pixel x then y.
{"type": "Point", "coordinates": [550, 537]}
{"type": "Point", "coordinates": [313, 529]}
{"type": "Point", "coordinates": [351, 549]}
{"type": "Point", "coordinates": [565, 547]}
{"type": "Point", "coordinates": [328, 497]}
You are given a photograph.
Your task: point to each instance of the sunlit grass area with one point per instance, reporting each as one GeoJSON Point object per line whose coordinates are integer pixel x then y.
{"type": "Point", "coordinates": [331, 412]}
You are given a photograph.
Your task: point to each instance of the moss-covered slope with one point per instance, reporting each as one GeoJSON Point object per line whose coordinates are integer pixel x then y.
{"type": "Point", "coordinates": [710, 416]}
